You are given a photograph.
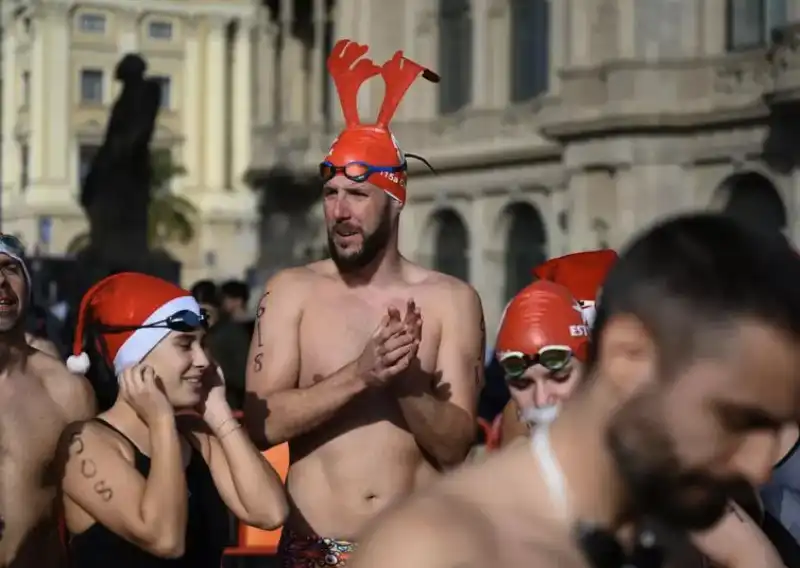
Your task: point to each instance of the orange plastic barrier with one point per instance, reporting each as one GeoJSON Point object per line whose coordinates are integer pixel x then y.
{"type": "Point", "coordinates": [253, 541]}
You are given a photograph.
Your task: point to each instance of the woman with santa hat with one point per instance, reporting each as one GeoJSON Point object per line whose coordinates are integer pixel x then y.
{"type": "Point", "coordinates": [147, 481]}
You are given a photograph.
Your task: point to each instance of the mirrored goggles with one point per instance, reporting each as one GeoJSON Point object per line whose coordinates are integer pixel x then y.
{"type": "Point", "coordinates": [356, 171]}
{"type": "Point", "coordinates": [551, 357]}
{"type": "Point", "coordinates": [184, 321]}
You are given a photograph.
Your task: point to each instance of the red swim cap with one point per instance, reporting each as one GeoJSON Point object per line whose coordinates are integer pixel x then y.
{"type": "Point", "coordinates": [371, 144]}
{"type": "Point", "coordinates": [541, 315]}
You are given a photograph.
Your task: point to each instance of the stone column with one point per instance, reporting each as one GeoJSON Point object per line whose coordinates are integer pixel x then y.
{"type": "Point", "coordinates": [481, 89]}
{"type": "Point", "coordinates": [215, 104]}
{"type": "Point", "coordinates": [626, 25]}
{"type": "Point", "coordinates": [50, 141]}
{"type": "Point", "coordinates": [12, 88]}
{"type": "Point", "coordinates": [192, 115]}
{"type": "Point", "coordinates": [579, 218]}
{"type": "Point", "coordinates": [292, 75]}
{"type": "Point", "coordinates": [627, 187]}
{"type": "Point", "coordinates": [499, 17]}
{"type": "Point", "coordinates": [713, 27]}
{"type": "Point", "coordinates": [319, 18]}
{"type": "Point", "coordinates": [266, 75]}
{"type": "Point", "coordinates": [580, 33]}
{"type": "Point", "coordinates": [559, 41]}
{"type": "Point", "coordinates": [243, 105]}
{"type": "Point", "coordinates": [426, 47]}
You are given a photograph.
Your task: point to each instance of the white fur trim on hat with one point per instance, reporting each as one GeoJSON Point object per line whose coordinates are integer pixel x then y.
{"type": "Point", "coordinates": [142, 341]}
{"type": "Point", "coordinates": [78, 364]}
{"type": "Point", "coordinates": [589, 312]}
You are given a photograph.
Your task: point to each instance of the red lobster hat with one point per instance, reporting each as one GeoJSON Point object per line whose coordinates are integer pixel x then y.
{"type": "Point", "coordinates": [127, 300]}
{"type": "Point", "coordinates": [582, 273]}
{"type": "Point", "coordinates": [371, 144]}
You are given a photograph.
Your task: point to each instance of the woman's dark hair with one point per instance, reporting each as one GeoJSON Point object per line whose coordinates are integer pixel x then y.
{"type": "Point", "coordinates": [100, 375]}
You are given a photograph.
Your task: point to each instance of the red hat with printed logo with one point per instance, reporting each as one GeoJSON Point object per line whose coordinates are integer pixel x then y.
{"type": "Point", "coordinates": [370, 149]}
{"type": "Point", "coordinates": [543, 314]}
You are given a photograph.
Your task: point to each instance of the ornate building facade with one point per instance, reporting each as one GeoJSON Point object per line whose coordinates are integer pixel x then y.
{"type": "Point", "coordinates": [559, 125]}
{"type": "Point", "coordinates": [58, 87]}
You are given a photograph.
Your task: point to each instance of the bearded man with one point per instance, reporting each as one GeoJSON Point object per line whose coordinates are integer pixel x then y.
{"type": "Point", "coordinates": [372, 402]}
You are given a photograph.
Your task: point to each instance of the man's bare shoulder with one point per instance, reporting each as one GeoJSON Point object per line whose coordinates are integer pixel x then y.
{"type": "Point", "coordinates": [71, 392]}
{"type": "Point", "coordinates": [446, 290]}
{"type": "Point", "coordinates": [300, 279]}
{"type": "Point", "coordinates": [43, 345]}
{"type": "Point", "coordinates": [430, 530]}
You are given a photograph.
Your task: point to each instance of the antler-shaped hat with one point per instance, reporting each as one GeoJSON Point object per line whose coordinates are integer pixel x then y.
{"type": "Point", "coordinates": [372, 144]}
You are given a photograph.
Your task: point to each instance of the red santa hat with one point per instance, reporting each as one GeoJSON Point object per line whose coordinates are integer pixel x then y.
{"type": "Point", "coordinates": [582, 273]}
{"type": "Point", "coordinates": [126, 309]}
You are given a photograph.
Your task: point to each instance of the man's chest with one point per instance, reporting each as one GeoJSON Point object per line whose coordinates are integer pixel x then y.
{"type": "Point", "coordinates": [30, 426]}
{"type": "Point", "coordinates": [335, 329]}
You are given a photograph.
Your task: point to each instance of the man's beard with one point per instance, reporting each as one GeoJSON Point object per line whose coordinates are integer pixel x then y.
{"type": "Point", "coordinates": [656, 482]}
{"type": "Point", "coordinates": [372, 245]}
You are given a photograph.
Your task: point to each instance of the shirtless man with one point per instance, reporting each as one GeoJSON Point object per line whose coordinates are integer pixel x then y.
{"type": "Point", "coordinates": [690, 377]}
{"type": "Point", "coordinates": [373, 402]}
{"type": "Point", "coordinates": [38, 398]}
{"type": "Point", "coordinates": [542, 345]}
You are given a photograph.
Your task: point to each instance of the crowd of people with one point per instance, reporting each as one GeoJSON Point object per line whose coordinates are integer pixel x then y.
{"type": "Point", "coordinates": [650, 418]}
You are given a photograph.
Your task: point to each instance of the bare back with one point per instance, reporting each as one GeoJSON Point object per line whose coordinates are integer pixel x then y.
{"type": "Point", "coordinates": [364, 458]}
{"type": "Point", "coordinates": [486, 514]}
{"type": "Point", "coordinates": [36, 403]}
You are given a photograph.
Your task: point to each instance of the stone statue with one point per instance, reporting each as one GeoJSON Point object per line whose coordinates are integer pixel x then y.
{"type": "Point", "coordinates": [116, 191]}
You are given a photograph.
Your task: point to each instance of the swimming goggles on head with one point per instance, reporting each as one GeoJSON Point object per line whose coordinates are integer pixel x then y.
{"type": "Point", "coordinates": [184, 321]}
{"type": "Point", "coordinates": [356, 171]}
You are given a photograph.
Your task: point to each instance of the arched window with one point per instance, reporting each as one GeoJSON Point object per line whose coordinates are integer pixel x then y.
{"type": "Point", "coordinates": [526, 247]}
{"type": "Point", "coordinates": [753, 199]}
{"type": "Point", "coordinates": [451, 245]}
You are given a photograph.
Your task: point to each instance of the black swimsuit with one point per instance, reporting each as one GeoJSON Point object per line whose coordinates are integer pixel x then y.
{"type": "Point", "coordinates": [98, 547]}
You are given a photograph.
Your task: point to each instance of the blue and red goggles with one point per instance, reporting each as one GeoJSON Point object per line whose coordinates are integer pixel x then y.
{"type": "Point", "coordinates": [358, 172]}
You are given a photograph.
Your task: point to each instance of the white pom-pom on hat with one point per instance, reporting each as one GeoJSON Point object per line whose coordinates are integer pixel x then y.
{"type": "Point", "coordinates": [78, 364]}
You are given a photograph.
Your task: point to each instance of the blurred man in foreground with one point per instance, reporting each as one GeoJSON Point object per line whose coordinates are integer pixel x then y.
{"type": "Point", "coordinates": [691, 374]}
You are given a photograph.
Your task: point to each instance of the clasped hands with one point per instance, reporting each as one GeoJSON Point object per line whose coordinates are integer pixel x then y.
{"type": "Point", "coordinates": [393, 345]}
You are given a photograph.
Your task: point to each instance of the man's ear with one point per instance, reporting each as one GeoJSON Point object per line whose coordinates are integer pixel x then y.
{"type": "Point", "coordinates": [626, 355]}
